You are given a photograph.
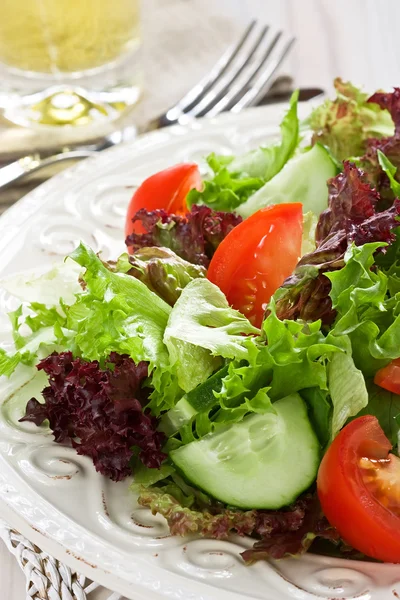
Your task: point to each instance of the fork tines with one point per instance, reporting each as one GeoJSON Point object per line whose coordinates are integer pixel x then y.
{"type": "Point", "coordinates": [242, 75]}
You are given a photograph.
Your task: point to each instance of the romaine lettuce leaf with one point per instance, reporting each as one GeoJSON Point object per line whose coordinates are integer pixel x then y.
{"type": "Point", "coordinates": [347, 390]}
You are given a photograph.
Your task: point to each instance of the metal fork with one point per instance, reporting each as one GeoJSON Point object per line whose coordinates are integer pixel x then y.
{"type": "Point", "coordinates": [243, 74]}
{"type": "Point", "coordinates": [240, 77]}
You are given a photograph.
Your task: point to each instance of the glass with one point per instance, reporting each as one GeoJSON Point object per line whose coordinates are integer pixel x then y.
{"type": "Point", "coordinates": [69, 62]}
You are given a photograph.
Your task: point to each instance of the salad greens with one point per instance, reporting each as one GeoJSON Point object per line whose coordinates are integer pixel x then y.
{"type": "Point", "coordinates": [161, 270]}
{"type": "Point", "coordinates": [345, 124]}
{"type": "Point", "coordinates": [294, 183]}
{"type": "Point", "coordinates": [194, 236]}
{"type": "Point", "coordinates": [151, 371]}
{"type": "Point", "coordinates": [347, 390]}
{"type": "Point", "coordinates": [202, 329]}
{"type": "Point", "coordinates": [237, 178]}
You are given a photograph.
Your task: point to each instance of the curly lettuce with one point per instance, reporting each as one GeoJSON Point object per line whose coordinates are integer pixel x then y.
{"type": "Point", "coordinates": [345, 123]}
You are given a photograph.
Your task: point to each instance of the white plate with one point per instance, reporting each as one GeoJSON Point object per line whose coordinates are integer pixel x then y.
{"type": "Point", "coordinates": [54, 496]}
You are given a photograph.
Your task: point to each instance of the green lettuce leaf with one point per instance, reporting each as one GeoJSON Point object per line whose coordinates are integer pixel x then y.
{"type": "Point", "coordinates": [365, 312]}
{"type": "Point", "coordinates": [113, 312]}
{"type": "Point", "coordinates": [117, 312]}
{"type": "Point", "coordinates": [33, 348]}
{"type": "Point", "coordinates": [145, 476]}
{"type": "Point", "coordinates": [39, 326]}
{"type": "Point", "coordinates": [163, 271]}
{"type": "Point", "coordinates": [345, 124]}
{"type": "Point", "coordinates": [299, 353]}
{"type": "Point", "coordinates": [235, 179]}
{"type": "Point", "coordinates": [388, 261]}
{"type": "Point", "coordinates": [202, 329]}
{"type": "Point", "coordinates": [120, 314]}
{"type": "Point", "coordinates": [303, 179]}
{"type": "Point", "coordinates": [295, 357]}
{"type": "Point", "coordinates": [203, 423]}
{"type": "Point", "coordinates": [226, 190]}
{"type": "Point", "coordinates": [390, 171]}
{"type": "Point", "coordinates": [267, 161]}
{"type": "Point", "coordinates": [310, 221]}
{"type": "Point", "coordinates": [9, 362]}
{"type": "Point", "coordinates": [347, 389]}
{"type": "Point", "coordinates": [385, 406]}
{"type": "Point", "coordinates": [320, 412]}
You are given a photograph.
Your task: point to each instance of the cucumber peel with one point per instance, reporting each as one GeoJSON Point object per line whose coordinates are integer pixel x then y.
{"type": "Point", "coordinates": [264, 462]}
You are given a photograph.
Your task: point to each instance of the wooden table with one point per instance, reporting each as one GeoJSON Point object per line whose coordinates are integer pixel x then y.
{"type": "Point", "coordinates": [356, 39]}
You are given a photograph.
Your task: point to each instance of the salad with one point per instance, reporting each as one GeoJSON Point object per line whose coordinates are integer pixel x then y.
{"type": "Point", "coordinates": [242, 359]}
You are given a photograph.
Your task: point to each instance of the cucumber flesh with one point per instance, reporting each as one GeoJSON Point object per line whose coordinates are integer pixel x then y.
{"type": "Point", "coordinates": [264, 462]}
{"type": "Point", "coordinates": [303, 179]}
{"type": "Point", "coordinates": [202, 397]}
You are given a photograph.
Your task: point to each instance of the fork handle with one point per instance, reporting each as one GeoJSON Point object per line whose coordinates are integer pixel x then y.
{"type": "Point", "coordinates": [29, 164]}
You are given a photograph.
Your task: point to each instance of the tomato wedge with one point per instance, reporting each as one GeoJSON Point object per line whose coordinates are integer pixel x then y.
{"type": "Point", "coordinates": [165, 190]}
{"type": "Point", "coordinates": [359, 489]}
{"type": "Point", "coordinates": [256, 257]}
{"type": "Point", "coordinates": [389, 377]}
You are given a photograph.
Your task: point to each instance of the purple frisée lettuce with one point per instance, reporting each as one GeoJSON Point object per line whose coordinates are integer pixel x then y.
{"type": "Point", "coordinates": [99, 411]}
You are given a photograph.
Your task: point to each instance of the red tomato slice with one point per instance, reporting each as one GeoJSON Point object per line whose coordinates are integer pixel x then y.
{"type": "Point", "coordinates": [256, 257]}
{"type": "Point", "coordinates": [389, 377]}
{"type": "Point", "coordinates": [165, 190]}
{"type": "Point", "coordinates": [359, 489]}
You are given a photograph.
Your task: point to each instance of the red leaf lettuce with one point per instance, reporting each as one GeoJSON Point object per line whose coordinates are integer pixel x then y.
{"type": "Point", "coordinates": [351, 217]}
{"type": "Point", "coordinates": [194, 236]}
{"type": "Point", "coordinates": [279, 533]}
{"type": "Point", "coordinates": [99, 411]}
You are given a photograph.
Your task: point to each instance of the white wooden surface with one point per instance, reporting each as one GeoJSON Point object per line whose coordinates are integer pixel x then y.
{"type": "Point", "coordinates": [356, 39]}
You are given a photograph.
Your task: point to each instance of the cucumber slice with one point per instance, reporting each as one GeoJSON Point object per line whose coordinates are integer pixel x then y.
{"type": "Point", "coordinates": [303, 179]}
{"type": "Point", "coordinates": [264, 462]}
{"type": "Point", "coordinates": [200, 399]}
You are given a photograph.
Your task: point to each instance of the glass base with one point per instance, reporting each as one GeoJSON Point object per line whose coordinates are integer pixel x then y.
{"type": "Point", "coordinates": [70, 99]}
